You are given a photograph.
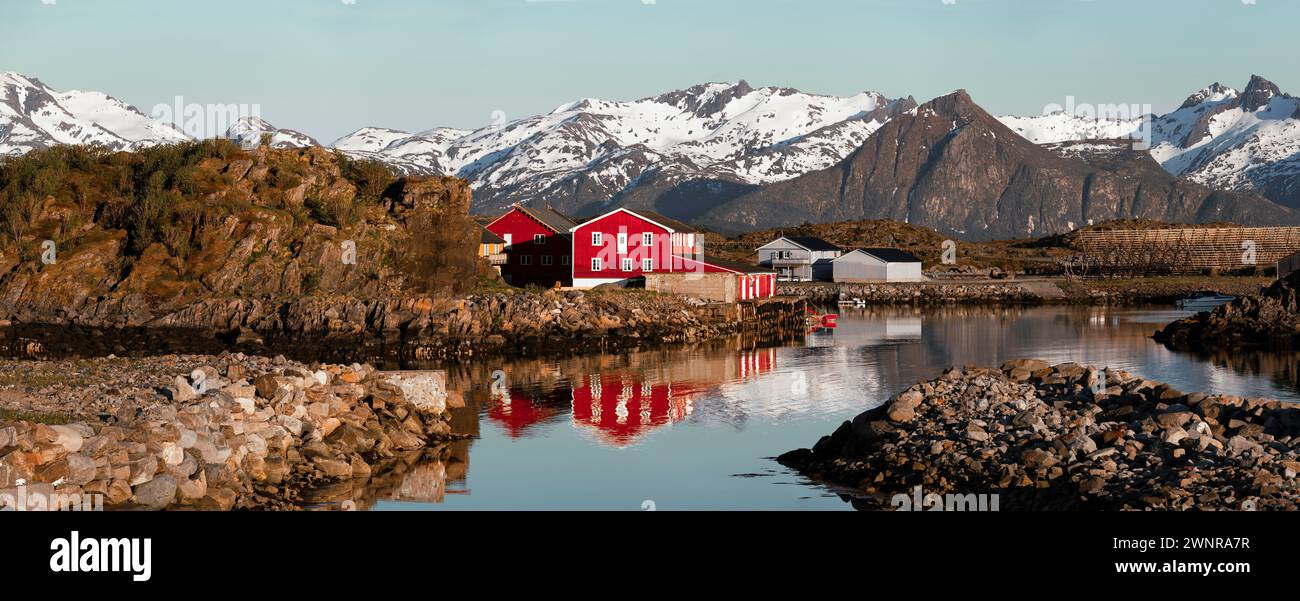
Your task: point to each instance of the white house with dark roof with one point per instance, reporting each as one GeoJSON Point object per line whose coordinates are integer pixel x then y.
{"type": "Point", "coordinates": [800, 258]}
{"type": "Point", "coordinates": [877, 265]}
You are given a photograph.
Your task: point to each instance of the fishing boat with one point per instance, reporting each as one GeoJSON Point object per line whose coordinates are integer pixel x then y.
{"type": "Point", "coordinates": [1204, 301]}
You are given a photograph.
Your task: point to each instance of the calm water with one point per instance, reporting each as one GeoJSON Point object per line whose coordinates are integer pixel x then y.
{"type": "Point", "coordinates": [696, 428]}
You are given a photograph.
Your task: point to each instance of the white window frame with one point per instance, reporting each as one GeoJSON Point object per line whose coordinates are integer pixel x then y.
{"type": "Point", "coordinates": [627, 264]}
{"type": "Point", "coordinates": [647, 265]}
{"type": "Point", "coordinates": [647, 239]}
{"type": "Point", "coordinates": [547, 260]}
{"type": "Point", "coordinates": [622, 242]}
{"type": "Point", "coordinates": [597, 264]}
{"type": "Point", "coordinates": [539, 239]}
{"type": "Point", "coordinates": [525, 259]}
{"type": "Point", "coordinates": [565, 259]}
{"type": "Point", "coordinates": [597, 239]}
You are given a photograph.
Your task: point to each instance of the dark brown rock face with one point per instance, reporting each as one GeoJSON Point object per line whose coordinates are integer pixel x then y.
{"type": "Point", "coordinates": [1258, 93]}
{"type": "Point", "coordinates": [951, 166]}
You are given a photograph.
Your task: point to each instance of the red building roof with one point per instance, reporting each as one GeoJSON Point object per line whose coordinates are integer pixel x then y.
{"type": "Point", "coordinates": [667, 223]}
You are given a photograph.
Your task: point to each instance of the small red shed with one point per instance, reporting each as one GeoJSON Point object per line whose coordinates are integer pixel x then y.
{"type": "Point", "coordinates": [752, 282]}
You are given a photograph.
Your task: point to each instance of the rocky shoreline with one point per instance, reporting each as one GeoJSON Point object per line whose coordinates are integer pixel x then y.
{"type": "Point", "coordinates": [210, 432]}
{"type": "Point", "coordinates": [403, 331]}
{"type": "Point", "coordinates": [1065, 437]}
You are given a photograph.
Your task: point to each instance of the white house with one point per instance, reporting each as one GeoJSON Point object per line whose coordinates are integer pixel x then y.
{"type": "Point", "coordinates": [877, 265]}
{"type": "Point", "coordinates": [803, 258]}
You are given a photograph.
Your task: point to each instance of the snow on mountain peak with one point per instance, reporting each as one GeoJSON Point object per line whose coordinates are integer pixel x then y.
{"type": "Point", "coordinates": [34, 116]}
{"type": "Point", "coordinates": [1215, 92]}
{"type": "Point", "coordinates": [249, 131]}
{"type": "Point", "coordinates": [1059, 126]}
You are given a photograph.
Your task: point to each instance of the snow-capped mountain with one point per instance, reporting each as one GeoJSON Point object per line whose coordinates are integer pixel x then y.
{"type": "Point", "coordinates": [591, 151]}
{"type": "Point", "coordinates": [1060, 127]}
{"type": "Point", "coordinates": [33, 116]}
{"type": "Point", "coordinates": [686, 151]}
{"type": "Point", "coordinates": [1219, 137]}
{"type": "Point", "coordinates": [248, 133]}
{"type": "Point", "coordinates": [1230, 140]}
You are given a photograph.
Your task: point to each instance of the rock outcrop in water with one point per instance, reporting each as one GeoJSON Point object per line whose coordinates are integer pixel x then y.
{"type": "Point", "coordinates": [1041, 438]}
{"type": "Point", "coordinates": [1270, 319]}
{"type": "Point", "coordinates": [237, 432]}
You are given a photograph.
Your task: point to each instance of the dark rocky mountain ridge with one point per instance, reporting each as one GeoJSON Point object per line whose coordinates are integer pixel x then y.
{"type": "Point", "coordinates": [951, 166]}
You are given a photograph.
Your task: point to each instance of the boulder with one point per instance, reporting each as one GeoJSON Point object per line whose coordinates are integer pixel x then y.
{"type": "Point", "coordinates": [157, 493]}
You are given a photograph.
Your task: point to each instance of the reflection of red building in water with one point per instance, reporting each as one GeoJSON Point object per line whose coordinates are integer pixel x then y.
{"type": "Point", "coordinates": [519, 410]}
{"type": "Point", "coordinates": [624, 405]}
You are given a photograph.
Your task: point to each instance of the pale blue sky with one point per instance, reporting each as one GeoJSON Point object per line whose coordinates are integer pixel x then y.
{"type": "Point", "coordinates": [327, 68]}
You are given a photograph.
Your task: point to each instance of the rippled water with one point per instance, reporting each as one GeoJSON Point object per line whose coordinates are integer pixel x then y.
{"type": "Point", "coordinates": [696, 428]}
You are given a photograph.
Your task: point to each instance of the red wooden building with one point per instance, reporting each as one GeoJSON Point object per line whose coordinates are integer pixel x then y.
{"type": "Point", "coordinates": [623, 244]}
{"type": "Point", "coordinates": [537, 246]}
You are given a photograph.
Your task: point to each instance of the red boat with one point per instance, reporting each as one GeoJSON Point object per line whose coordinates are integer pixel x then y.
{"type": "Point", "coordinates": [821, 321]}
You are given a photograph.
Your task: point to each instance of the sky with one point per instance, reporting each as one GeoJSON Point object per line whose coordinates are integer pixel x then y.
{"type": "Point", "coordinates": [328, 67]}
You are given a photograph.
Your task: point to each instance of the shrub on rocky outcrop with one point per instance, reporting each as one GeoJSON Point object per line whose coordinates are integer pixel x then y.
{"type": "Point", "coordinates": [173, 225]}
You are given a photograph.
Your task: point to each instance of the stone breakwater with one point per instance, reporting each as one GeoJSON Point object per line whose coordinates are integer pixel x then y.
{"type": "Point", "coordinates": [911, 294]}
{"type": "Point", "coordinates": [1065, 437]}
{"type": "Point", "coordinates": [404, 329]}
{"type": "Point", "coordinates": [231, 432]}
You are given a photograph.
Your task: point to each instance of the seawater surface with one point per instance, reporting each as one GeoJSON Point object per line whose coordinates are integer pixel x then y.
{"type": "Point", "coordinates": [697, 428]}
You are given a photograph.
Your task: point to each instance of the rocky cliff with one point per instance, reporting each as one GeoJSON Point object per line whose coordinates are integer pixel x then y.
{"type": "Point", "coordinates": [130, 239]}
{"type": "Point", "coordinates": [951, 166]}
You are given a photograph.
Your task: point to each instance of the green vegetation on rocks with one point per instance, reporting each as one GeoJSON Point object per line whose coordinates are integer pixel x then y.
{"type": "Point", "coordinates": [150, 232]}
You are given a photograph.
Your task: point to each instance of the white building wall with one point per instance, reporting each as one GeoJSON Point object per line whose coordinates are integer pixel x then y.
{"type": "Point", "coordinates": [905, 272]}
